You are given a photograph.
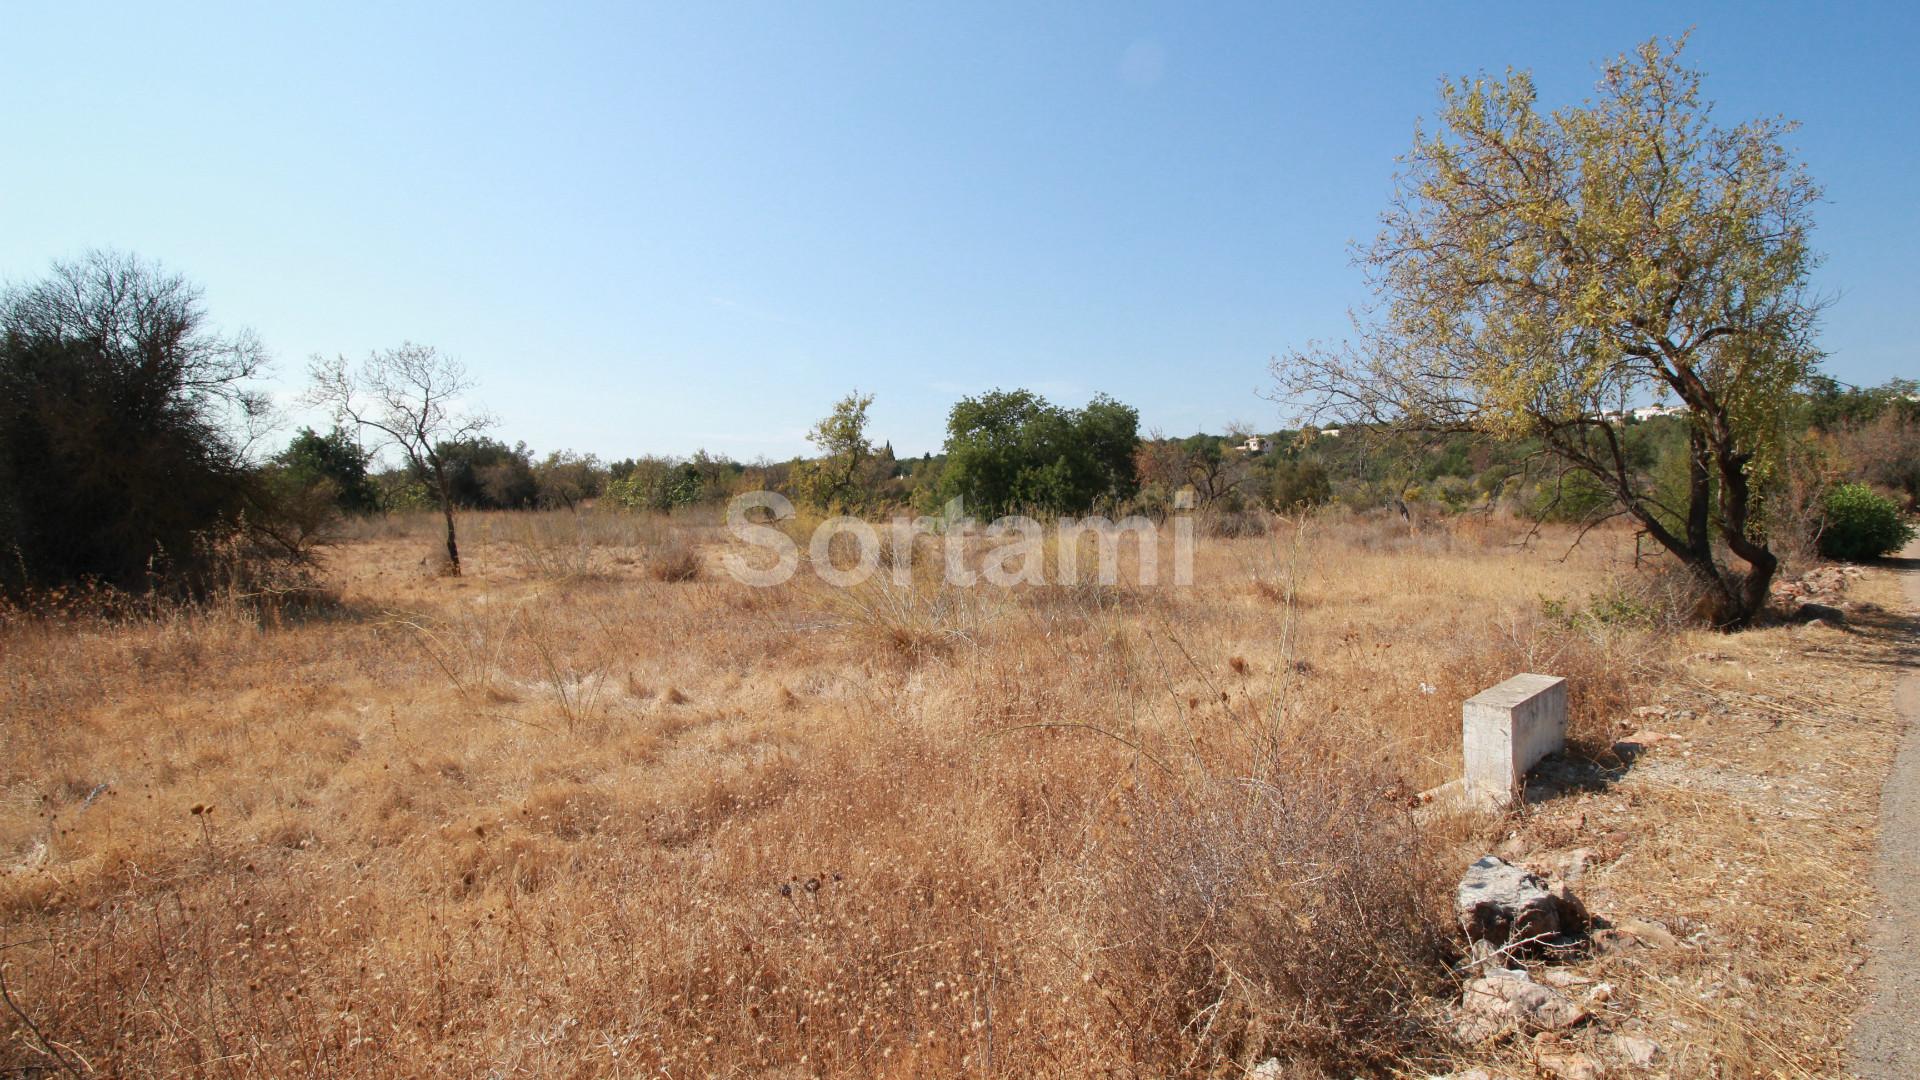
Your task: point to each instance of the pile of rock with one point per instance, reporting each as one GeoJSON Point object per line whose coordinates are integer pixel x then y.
{"type": "Point", "coordinates": [1512, 918]}
{"type": "Point", "coordinates": [1816, 594]}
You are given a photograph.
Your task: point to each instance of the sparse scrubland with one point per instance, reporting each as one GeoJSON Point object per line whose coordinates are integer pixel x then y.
{"type": "Point", "coordinates": [588, 811]}
{"type": "Point", "coordinates": [481, 764]}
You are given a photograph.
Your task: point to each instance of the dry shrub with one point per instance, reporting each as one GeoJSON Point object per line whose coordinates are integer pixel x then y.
{"type": "Point", "coordinates": [1087, 598]}
{"type": "Point", "coordinates": [394, 525]}
{"type": "Point", "coordinates": [1385, 532]}
{"type": "Point", "coordinates": [549, 545]}
{"type": "Point", "coordinates": [1272, 590]}
{"type": "Point", "coordinates": [1298, 914]}
{"type": "Point", "coordinates": [675, 560]}
{"type": "Point", "coordinates": [232, 576]}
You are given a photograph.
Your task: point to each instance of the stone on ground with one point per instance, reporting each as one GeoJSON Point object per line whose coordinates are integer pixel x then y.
{"type": "Point", "coordinates": [1638, 1050]}
{"type": "Point", "coordinates": [1514, 1000]}
{"type": "Point", "coordinates": [1504, 906]}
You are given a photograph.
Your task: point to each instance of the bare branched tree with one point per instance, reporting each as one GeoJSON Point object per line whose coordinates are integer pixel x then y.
{"type": "Point", "coordinates": [150, 327]}
{"type": "Point", "coordinates": [411, 399]}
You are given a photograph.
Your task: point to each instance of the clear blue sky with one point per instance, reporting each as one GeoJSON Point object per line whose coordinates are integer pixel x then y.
{"type": "Point", "coordinates": [656, 228]}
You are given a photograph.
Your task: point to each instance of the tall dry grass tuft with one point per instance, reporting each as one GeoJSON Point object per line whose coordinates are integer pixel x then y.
{"type": "Point", "coordinates": [911, 623]}
{"type": "Point", "coordinates": [675, 560]}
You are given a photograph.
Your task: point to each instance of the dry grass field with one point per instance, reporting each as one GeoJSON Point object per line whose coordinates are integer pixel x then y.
{"type": "Point", "coordinates": [594, 809]}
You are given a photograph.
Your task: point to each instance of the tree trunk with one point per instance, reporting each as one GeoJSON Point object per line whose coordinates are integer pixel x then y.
{"type": "Point", "coordinates": [1721, 605]}
{"type": "Point", "coordinates": [453, 546]}
{"type": "Point", "coordinates": [446, 508]}
{"type": "Point", "coordinates": [1736, 501]}
{"type": "Point", "coordinates": [1731, 600]}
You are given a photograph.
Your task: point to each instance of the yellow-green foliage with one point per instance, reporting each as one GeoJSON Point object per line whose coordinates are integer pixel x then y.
{"type": "Point", "coordinates": [1562, 261]}
{"type": "Point", "coordinates": [1538, 269]}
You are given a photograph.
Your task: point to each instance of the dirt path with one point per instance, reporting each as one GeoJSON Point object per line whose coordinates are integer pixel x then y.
{"type": "Point", "coordinates": [1886, 1041]}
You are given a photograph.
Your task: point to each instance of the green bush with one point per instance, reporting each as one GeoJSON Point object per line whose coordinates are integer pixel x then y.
{"type": "Point", "coordinates": [1861, 524]}
{"type": "Point", "coordinates": [657, 484]}
{"type": "Point", "coordinates": [1299, 484]}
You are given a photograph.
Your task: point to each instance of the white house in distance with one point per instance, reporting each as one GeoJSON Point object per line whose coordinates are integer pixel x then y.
{"type": "Point", "coordinates": [1256, 444]}
{"type": "Point", "coordinates": [1648, 412]}
{"type": "Point", "coordinates": [1645, 412]}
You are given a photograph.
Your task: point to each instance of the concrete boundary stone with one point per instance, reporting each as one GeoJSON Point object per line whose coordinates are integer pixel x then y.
{"type": "Point", "coordinates": [1506, 730]}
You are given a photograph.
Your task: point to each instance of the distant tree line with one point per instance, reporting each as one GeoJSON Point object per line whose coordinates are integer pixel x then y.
{"type": "Point", "coordinates": [128, 426]}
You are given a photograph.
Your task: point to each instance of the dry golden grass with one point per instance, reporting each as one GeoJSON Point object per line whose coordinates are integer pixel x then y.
{"type": "Point", "coordinates": [570, 815]}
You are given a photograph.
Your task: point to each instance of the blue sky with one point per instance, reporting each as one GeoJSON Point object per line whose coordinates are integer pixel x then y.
{"type": "Point", "coordinates": [657, 228]}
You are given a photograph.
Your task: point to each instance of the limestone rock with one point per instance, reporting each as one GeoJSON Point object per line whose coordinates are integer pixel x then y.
{"type": "Point", "coordinates": [1611, 942]}
{"type": "Point", "coordinates": [1639, 1051]}
{"type": "Point", "coordinates": [1570, 1065]}
{"type": "Point", "coordinates": [1573, 865]}
{"type": "Point", "coordinates": [1625, 934]}
{"type": "Point", "coordinates": [1513, 847]}
{"type": "Point", "coordinates": [1500, 904]}
{"type": "Point", "coordinates": [1519, 1001]}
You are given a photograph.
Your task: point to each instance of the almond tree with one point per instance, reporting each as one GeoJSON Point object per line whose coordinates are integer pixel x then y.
{"type": "Point", "coordinates": [838, 478]}
{"type": "Point", "coordinates": [410, 398]}
{"type": "Point", "coordinates": [1537, 270]}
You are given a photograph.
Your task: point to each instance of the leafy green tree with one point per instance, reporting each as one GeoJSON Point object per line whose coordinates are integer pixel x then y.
{"type": "Point", "coordinates": [1538, 269]}
{"type": "Point", "coordinates": [1297, 483]}
{"type": "Point", "coordinates": [718, 476]}
{"type": "Point", "coordinates": [306, 488]}
{"type": "Point", "coordinates": [841, 477]}
{"type": "Point", "coordinates": [335, 460]}
{"type": "Point", "coordinates": [486, 474]}
{"type": "Point", "coordinates": [1572, 496]}
{"type": "Point", "coordinates": [1832, 405]}
{"type": "Point", "coordinates": [1009, 450]}
{"type": "Point", "coordinates": [1106, 433]}
{"type": "Point", "coordinates": [988, 447]}
{"type": "Point", "coordinates": [656, 483]}
{"type": "Point", "coordinates": [564, 478]}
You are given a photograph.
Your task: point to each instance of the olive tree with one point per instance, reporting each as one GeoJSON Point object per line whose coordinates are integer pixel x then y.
{"type": "Point", "coordinates": [411, 399]}
{"type": "Point", "coordinates": [1538, 271]}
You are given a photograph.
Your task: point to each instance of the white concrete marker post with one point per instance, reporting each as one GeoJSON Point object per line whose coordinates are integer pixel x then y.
{"type": "Point", "coordinates": [1506, 730]}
